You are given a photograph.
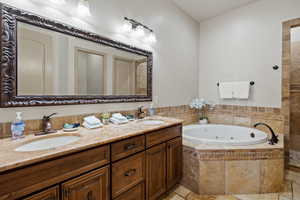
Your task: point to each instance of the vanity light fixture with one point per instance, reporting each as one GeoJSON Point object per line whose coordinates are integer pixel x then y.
{"type": "Point", "coordinates": [83, 8]}
{"type": "Point", "coordinates": [138, 30]}
{"type": "Point", "coordinates": [127, 27]}
{"type": "Point", "coordinates": [151, 38]}
{"type": "Point", "coordinates": [58, 2]}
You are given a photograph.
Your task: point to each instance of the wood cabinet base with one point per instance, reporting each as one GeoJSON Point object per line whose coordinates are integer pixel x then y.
{"type": "Point", "coordinates": [137, 168]}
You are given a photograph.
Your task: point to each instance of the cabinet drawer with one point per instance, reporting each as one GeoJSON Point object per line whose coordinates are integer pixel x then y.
{"type": "Point", "coordinates": [127, 147]}
{"type": "Point", "coordinates": [163, 135]}
{"type": "Point", "coordinates": [21, 182]}
{"type": "Point", "coordinates": [127, 173]}
{"type": "Point", "coordinates": [49, 194]}
{"type": "Point", "coordinates": [136, 193]}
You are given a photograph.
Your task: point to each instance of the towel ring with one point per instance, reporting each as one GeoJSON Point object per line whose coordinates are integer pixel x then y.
{"type": "Point", "coordinates": [251, 83]}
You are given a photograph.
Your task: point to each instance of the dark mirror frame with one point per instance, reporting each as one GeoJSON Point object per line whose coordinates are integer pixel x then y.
{"type": "Point", "coordinates": [8, 53]}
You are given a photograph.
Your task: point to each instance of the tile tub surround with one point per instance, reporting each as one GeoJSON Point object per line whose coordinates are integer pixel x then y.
{"type": "Point", "coordinates": [233, 170]}
{"type": "Point", "coordinates": [183, 112]}
{"type": "Point", "coordinates": [247, 116]}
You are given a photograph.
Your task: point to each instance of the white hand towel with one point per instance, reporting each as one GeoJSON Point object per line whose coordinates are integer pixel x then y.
{"type": "Point", "coordinates": [241, 90]}
{"type": "Point", "coordinates": [226, 90]}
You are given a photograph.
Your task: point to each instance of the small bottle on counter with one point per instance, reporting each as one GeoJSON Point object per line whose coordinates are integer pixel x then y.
{"type": "Point", "coordinates": [151, 110]}
{"type": "Point", "coordinates": [105, 118]}
{"type": "Point", "coordinates": [18, 127]}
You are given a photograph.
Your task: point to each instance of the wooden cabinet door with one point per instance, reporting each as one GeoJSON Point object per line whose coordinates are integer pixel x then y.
{"type": "Point", "coordinates": [174, 162]}
{"type": "Point", "coordinates": [49, 194]}
{"type": "Point", "coordinates": [156, 171]}
{"type": "Point", "coordinates": [92, 186]}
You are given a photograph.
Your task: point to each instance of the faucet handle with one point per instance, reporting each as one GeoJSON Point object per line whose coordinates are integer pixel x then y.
{"type": "Point", "coordinates": [49, 116]}
{"type": "Point", "coordinates": [140, 108]}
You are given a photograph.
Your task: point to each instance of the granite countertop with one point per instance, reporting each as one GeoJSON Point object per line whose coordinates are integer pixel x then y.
{"type": "Point", "coordinates": [10, 159]}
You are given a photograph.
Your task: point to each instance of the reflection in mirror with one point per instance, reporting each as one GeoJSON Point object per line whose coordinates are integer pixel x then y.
{"type": "Point", "coordinates": [52, 63]}
{"type": "Point", "coordinates": [89, 73]}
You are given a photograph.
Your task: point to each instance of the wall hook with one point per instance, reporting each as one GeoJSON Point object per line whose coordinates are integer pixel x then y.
{"type": "Point", "coordinates": [275, 67]}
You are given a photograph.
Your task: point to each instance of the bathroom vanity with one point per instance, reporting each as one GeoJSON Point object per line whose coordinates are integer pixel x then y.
{"type": "Point", "coordinates": [132, 161]}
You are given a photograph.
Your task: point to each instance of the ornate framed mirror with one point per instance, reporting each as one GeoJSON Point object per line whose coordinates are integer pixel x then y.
{"type": "Point", "coordinates": [45, 62]}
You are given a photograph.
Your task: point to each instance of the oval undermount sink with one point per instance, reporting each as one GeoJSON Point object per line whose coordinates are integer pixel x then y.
{"type": "Point", "coordinates": [47, 143]}
{"type": "Point", "coordinates": [152, 122]}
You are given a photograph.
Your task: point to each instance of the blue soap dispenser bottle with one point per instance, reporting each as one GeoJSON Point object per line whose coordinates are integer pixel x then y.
{"type": "Point", "coordinates": [18, 127]}
{"type": "Point", "coordinates": [151, 110]}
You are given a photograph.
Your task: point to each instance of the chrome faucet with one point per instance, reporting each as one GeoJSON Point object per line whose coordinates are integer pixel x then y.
{"type": "Point", "coordinates": [140, 112]}
{"type": "Point", "coordinates": [274, 139]}
{"type": "Point", "coordinates": [47, 126]}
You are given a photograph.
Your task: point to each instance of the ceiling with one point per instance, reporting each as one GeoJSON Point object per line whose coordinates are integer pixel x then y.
{"type": "Point", "coordinates": [204, 9]}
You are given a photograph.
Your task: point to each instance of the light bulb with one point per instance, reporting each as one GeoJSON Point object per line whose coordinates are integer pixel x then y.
{"type": "Point", "coordinates": [127, 27]}
{"type": "Point", "coordinates": [58, 2]}
{"type": "Point", "coordinates": [83, 8]}
{"type": "Point", "coordinates": [151, 38]}
{"type": "Point", "coordinates": [138, 32]}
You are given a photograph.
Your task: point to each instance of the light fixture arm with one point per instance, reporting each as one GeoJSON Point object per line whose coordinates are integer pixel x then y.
{"type": "Point", "coordinates": [135, 24]}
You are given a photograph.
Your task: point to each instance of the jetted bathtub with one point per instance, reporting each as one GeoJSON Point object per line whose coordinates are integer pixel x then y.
{"type": "Point", "coordinates": [218, 158]}
{"type": "Point", "coordinates": [223, 134]}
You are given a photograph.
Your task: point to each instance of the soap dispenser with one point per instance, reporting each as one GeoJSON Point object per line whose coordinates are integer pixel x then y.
{"type": "Point", "coordinates": [151, 110]}
{"type": "Point", "coordinates": [18, 127]}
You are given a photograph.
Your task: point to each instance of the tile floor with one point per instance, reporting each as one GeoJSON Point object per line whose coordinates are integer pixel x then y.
{"type": "Point", "coordinates": [291, 192]}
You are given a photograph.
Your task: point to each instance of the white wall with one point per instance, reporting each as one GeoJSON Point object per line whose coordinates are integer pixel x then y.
{"type": "Point", "coordinates": [244, 44]}
{"type": "Point", "coordinates": [175, 53]}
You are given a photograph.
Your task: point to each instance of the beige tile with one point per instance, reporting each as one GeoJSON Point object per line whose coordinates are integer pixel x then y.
{"type": "Point", "coordinates": [193, 196]}
{"type": "Point", "coordinates": [242, 121]}
{"type": "Point", "coordinates": [220, 118]}
{"type": "Point", "coordinates": [293, 176]}
{"type": "Point", "coordinates": [296, 191]}
{"type": "Point", "coordinates": [286, 194]}
{"type": "Point", "coordinates": [285, 198]}
{"type": "Point", "coordinates": [190, 169]}
{"type": "Point", "coordinates": [242, 177]}
{"type": "Point", "coordinates": [211, 180]}
{"type": "Point", "coordinates": [272, 175]}
{"type": "Point", "coordinates": [182, 191]}
{"type": "Point", "coordinates": [226, 197]}
{"type": "Point", "coordinates": [294, 145]}
{"type": "Point", "coordinates": [258, 197]}
{"type": "Point", "coordinates": [174, 196]}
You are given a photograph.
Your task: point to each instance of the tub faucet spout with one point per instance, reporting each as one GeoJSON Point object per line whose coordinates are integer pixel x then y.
{"type": "Point", "coordinates": [274, 139]}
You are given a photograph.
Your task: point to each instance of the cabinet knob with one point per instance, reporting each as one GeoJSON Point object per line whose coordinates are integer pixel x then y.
{"type": "Point", "coordinates": [130, 172]}
{"type": "Point", "coordinates": [129, 146]}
